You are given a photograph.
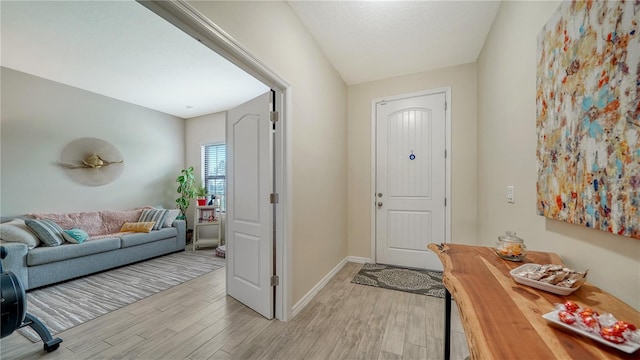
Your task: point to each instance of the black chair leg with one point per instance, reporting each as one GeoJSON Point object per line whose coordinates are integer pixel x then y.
{"type": "Point", "coordinates": [50, 344]}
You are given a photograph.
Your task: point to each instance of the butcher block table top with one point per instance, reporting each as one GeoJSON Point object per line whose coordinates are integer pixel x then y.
{"type": "Point", "coordinates": [503, 319]}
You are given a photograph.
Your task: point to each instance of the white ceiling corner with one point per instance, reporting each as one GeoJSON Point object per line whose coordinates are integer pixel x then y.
{"type": "Point", "coordinates": [372, 40]}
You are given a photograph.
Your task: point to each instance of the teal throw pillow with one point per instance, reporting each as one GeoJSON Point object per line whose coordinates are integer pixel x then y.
{"type": "Point", "coordinates": [75, 236]}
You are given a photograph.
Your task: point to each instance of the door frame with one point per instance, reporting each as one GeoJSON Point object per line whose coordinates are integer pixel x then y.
{"type": "Point", "coordinates": [374, 160]}
{"type": "Point", "coordinates": [188, 19]}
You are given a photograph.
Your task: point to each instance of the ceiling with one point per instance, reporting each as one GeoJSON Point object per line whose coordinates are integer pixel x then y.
{"type": "Point", "coordinates": [372, 40]}
{"type": "Point", "coordinates": [122, 50]}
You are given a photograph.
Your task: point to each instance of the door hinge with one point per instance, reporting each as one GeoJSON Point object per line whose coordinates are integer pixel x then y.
{"type": "Point", "coordinates": [275, 280]}
{"type": "Point", "coordinates": [273, 198]}
{"type": "Point", "coordinates": [445, 201]}
{"type": "Point", "coordinates": [445, 106]}
{"type": "Point", "coordinates": [274, 116]}
{"type": "Point", "coordinates": [445, 154]}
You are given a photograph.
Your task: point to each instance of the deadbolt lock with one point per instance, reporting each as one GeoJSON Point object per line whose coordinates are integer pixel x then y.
{"type": "Point", "coordinates": [379, 194]}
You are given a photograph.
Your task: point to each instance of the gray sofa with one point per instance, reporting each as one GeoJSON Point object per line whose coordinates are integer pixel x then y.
{"type": "Point", "coordinates": [43, 265]}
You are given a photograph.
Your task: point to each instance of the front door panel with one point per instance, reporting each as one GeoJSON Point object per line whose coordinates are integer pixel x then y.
{"type": "Point", "coordinates": [410, 177]}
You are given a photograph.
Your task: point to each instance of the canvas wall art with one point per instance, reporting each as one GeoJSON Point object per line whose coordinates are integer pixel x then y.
{"type": "Point", "coordinates": [588, 116]}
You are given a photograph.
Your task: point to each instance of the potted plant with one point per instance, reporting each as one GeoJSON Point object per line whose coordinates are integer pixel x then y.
{"type": "Point", "coordinates": [201, 195]}
{"type": "Point", "coordinates": [186, 189]}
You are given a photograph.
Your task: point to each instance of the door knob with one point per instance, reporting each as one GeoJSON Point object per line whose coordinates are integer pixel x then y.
{"type": "Point", "coordinates": [379, 194]}
{"type": "Point", "coordinates": [379, 203]}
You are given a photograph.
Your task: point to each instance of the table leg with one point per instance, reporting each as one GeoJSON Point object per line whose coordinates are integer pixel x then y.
{"type": "Point", "coordinates": [447, 324]}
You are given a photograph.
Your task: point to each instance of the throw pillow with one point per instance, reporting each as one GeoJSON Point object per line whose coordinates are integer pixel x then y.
{"type": "Point", "coordinates": [138, 226]}
{"type": "Point", "coordinates": [47, 231]}
{"type": "Point", "coordinates": [170, 217]}
{"type": "Point", "coordinates": [75, 236]}
{"type": "Point", "coordinates": [155, 215]}
{"type": "Point", "coordinates": [17, 231]}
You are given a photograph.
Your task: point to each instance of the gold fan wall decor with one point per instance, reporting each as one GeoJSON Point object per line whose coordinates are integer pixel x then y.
{"type": "Point", "coordinates": [91, 161]}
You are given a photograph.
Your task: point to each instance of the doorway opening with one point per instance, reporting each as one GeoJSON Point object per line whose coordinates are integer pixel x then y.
{"type": "Point", "coordinates": [186, 18]}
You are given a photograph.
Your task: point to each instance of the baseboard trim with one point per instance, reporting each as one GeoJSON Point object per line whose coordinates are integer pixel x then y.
{"type": "Point", "coordinates": [302, 303]}
{"type": "Point", "coordinates": [358, 259]}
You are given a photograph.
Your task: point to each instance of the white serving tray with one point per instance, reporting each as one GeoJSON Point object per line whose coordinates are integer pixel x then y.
{"type": "Point", "coordinates": [558, 290]}
{"type": "Point", "coordinates": [628, 347]}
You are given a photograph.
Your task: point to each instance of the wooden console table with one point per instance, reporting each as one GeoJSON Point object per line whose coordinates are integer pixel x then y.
{"type": "Point", "coordinates": [503, 319]}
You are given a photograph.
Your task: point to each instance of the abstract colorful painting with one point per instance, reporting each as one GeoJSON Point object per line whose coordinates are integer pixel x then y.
{"type": "Point", "coordinates": [588, 116]}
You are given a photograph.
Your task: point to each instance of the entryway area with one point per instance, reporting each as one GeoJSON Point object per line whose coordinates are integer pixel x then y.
{"type": "Point", "coordinates": [411, 173]}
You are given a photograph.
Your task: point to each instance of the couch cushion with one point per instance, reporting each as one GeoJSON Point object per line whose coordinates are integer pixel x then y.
{"type": "Point", "coordinates": [17, 231]}
{"type": "Point", "coordinates": [47, 231]}
{"type": "Point", "coordinates": [45, 255]}
{"type": "Point", "coordinates": [107, 236]}
{"type": "Point", "coordinates": [142, 238]}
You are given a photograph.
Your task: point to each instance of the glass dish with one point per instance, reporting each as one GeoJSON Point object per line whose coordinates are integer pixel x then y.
{"type": "Point", "coordinates": [510, 247]}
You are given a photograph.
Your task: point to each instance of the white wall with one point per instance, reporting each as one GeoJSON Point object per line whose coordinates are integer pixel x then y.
{"type": "Point", "coordinates": [507, 156]}
{"type": "Point", "coordinates": [462, 80]}
{"type": "Point", "coordinates": [40, 117]}
{"type": "Point", "coordinates": [272, 32]}
{"type": "Point", "coordinates": [200, 131]}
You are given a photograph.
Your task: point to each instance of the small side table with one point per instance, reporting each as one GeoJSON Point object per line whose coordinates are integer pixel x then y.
{"type": "Point", "coordinates": [206, 216]}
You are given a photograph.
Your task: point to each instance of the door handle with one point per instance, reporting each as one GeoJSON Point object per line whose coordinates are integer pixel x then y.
{"type": "Point", "coordinates": [380, 204]}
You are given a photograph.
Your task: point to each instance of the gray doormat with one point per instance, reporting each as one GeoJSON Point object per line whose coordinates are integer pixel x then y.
{"type": "Point", "coordinates": [417, 281]}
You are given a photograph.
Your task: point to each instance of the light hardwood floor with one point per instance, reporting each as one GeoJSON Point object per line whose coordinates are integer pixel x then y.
{"type": "Point", "coordinates": [195, 320]}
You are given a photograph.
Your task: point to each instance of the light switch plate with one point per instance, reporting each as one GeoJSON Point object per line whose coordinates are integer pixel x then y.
{"type": "Point", "coordinates": [511, 194]}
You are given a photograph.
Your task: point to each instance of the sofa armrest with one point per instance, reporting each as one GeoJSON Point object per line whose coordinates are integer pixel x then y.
{"type": "Point", "coordinates": [16, 261]}
{"type": "Point", "coordinates": [181, 226]}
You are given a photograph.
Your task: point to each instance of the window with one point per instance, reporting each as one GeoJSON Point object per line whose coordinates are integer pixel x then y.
{"type": "Point", "coordinates": [215, 172]}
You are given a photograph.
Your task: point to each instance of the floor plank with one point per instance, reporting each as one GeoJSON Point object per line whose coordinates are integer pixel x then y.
{"type": "Point", "coordinates": [196, 320]}
{"type": "Point", "coordinates": [393, 339]}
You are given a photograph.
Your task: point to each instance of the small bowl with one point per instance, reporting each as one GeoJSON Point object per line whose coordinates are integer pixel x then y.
{"type": "Point", "coordinates": [510, 247]}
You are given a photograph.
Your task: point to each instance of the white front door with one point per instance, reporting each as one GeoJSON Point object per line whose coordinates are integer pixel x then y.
{"type": "Point", "coordinates": [410, 180]}
{"type": "Point", "coordinates": [249, 227]}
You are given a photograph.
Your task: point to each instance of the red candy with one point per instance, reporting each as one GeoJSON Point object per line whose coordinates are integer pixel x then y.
{"type": "Point", "coordinates": [590, 322]}
{"type": "Point", "coordinates": [612, 334]}
{"type": "Point", "coordinates": [587, 312]}
{"type": "Point", "coordinates": [571, 307]}
{"type": "Point", "coordinates": [623, 326]}
{"type": "Point", "coordinates": [566, 317]}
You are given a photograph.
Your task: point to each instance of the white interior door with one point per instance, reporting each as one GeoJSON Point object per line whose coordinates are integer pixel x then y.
{"type": "Point", "coordinates": [410, 180]}
{"type": "Point", "coordinates": [249, 227]}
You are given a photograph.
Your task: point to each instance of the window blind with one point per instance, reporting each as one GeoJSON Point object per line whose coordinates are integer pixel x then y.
{"type": "Point", "coordinates": [215, 172]}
